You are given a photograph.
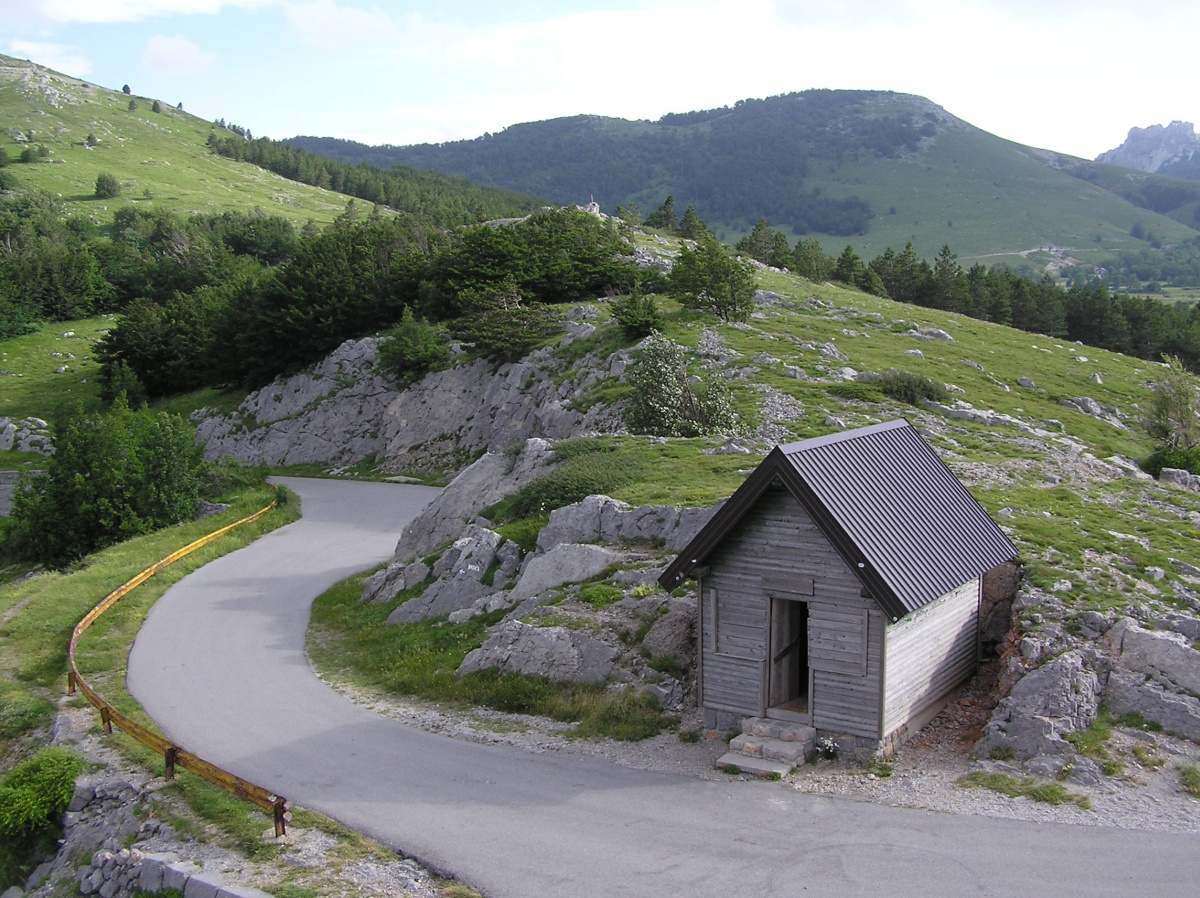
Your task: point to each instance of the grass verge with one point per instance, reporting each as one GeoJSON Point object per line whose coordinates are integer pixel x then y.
{"type": "Point", "coordinates": [38, 614]}
{"type": "Point", "coordinates": [1024, 787]}
{"type": "Point", "coordinates": [350, 641]}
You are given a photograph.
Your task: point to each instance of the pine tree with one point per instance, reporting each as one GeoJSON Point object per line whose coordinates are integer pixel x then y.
{"type": "Point", "coordinates": [691, 225]}
{"type": "Point", "coordinates": [757, 244]}
{"type": "Point", "coordinates": [663, 217]}
{"type": "Point", "coordinates": [708, 279]}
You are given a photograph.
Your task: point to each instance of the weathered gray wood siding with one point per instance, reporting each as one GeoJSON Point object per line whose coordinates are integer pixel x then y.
{"type": "Point", "coordinates": [846, 700]}
{"type": "Point", "coordinates": [929, 652]}
{"type": "Point", "coordinates": [778, 548]}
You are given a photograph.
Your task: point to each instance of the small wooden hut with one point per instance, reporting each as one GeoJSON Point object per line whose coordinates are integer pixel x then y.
{"type": "Point", "coordinates": [840, 587]}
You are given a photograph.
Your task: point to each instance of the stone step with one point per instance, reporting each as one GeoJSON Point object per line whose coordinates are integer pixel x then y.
{"type": "Point", "coordinates": [774, 749]}
{"type": "Point", "coordinates": [755, 766]}
{"type": "Point", "coordinates": [782, 730]}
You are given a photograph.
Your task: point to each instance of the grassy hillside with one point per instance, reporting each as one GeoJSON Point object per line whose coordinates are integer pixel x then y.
{"type": "Point", "coordinates": [927, 176]}
{"type": "Point", "coordinates": [160, 157]}
{"type": "Point", "coordinates": [1086, 527]}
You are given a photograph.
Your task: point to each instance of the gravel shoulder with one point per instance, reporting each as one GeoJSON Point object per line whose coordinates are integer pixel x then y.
{"type": "Point", "coordinates": [1145, 796]}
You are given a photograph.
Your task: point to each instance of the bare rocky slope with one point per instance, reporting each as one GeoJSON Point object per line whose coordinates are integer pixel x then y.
{"type": "Point", "coordinates": [1157, 148]}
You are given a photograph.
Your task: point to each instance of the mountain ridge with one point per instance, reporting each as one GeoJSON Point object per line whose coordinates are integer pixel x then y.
{"type": "Point", "coordinates": [870, 168]}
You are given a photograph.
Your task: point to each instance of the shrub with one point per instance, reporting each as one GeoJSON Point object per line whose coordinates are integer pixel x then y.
{"type": "Point", "coordinates": [122, 381]}
{"type": "Point", "coordinates": [708, 279]}
{"type": "Point", "coordinates": [1165, 456]}
{"type": "Point", "coordinates": [35, 792]}
{"type": "Point", "coordinates": [499, 327]}
{"type": "Point", "coordinates": [111, 477]}
{"type": "Point", "coordinates": [33, 796]}
{"type": "Point", "coordinates": [855, 391]}
{"type": "Point", "coordinates": [663, 402]}
{"type": "Point", "coordinates": [637, 314]}
{"type": "Point", "coordinates": [1175, 416]}
{"type": "Point", "coordinates": [414, 349]}
{"type": "Point", "coordinates": [906, 386]}
{"type": "Point", "coordinates": [107, 186]}
{"type": "Point", "coordinates": [600, 594]}
{"type": "Point", "coordinates": [1189, 778]}
{"type": "Point", "coordinates": [570, 482]}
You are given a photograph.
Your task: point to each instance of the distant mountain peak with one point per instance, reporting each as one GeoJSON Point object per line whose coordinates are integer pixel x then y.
{"type": "Point", "coordinates": [1157, 148]}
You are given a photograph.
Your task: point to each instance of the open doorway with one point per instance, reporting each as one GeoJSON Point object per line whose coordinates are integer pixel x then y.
{"type": "Point", "coordinates": [787, 691]}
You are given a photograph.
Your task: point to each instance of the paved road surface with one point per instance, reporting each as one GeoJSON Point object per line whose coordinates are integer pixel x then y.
{"type": "Point", "coordinates": [220, 665]}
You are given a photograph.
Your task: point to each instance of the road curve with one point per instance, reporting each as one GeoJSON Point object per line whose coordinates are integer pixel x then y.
{"type": "Point", "coordinates": [220, 665]}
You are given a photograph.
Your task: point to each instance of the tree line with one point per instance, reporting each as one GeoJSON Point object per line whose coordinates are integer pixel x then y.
{"type": "Point", "coordinates": [56, 269]}
{"type": "Point", "coordinates": [494, 285]}
{"type": "Point", "coordinates": [431, 197]}
{"type": "Point", "coordinates": [1085, 310]}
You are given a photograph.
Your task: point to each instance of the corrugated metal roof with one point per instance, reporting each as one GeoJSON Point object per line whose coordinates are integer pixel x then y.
{"type": "Point", "coordinates": [886, 501]}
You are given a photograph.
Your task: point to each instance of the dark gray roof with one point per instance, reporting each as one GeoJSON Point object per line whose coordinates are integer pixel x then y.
{"type": "Point", "coordinates": [888, 504]}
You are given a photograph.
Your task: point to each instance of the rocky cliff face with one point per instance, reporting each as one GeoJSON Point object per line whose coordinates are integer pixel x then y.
{"type": "Point", "coordinates": [342, 411]}
{"type": "Point", "coordinates": [1155, 148]}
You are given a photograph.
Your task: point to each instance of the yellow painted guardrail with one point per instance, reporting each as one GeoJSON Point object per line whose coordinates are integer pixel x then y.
{"type": "Point", "coordinates": [173, 755]}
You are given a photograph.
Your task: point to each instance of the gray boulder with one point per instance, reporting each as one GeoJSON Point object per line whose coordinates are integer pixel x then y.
{"type": "Point", "coordinates": [1156, 674]}
{"type": "Point", "coordinates": [394, 579]}
{"type": "Point", "coordinates": [487, 481]}
{"type": "Point", "coordinates": [673, 634]}
{"type": "Point", "coordinates": [1061, 696]}
{"type": "Point", "coordinates": [600, 519]}
{"type": "Point", "coordinates": [565, 563]}
{"type": "Point", "coordinates": [1166, 657]}
{"type": "Point", "coordinates": [341, 410]}
{"type": "Point", "coordinates": [1134, 693]}
{"type": "Point", "coordinates": [555, 653]}
{"type": "Point", "coordinates": [459, 576]}
{"type": "Point", "coordinates": [1179, 477]}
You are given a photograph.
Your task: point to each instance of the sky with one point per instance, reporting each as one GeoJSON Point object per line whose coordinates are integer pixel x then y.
{"type": "Point", "coordinates": [1066, 75]}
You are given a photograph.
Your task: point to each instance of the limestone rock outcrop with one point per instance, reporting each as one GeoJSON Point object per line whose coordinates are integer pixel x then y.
{"type": "Point", "coordinates": [555, 653]}
{"type": "Point", "coordinates": [342, 411]}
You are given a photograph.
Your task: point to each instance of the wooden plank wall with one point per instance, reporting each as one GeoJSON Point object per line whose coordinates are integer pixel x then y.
{"type": "Point", "coordinates": [777, 542]}
{"type": "Point", "coordinates": [846, 688]}
{"type": "Point", "coordinates": [929, 652]}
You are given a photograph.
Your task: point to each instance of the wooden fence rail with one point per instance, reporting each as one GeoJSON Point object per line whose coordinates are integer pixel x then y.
{"type": "Point", "coordinates": [173, 755]}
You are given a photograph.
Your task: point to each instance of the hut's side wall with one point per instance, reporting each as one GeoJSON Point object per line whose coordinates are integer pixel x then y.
{"type": "Point", "coordinates": [777, 548]}
{"type": "Point", "coordinates": [929, 652]}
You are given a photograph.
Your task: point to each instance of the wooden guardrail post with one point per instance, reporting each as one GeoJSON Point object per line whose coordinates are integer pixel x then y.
{"type": "Point", "coordinates": [169, 757]}
{"type": "Point", "coordinates": [106, 719]}
{"type": "Point", "coordinates": [282, 816]}
{"type": "Point", "coordinates": [70, 682]}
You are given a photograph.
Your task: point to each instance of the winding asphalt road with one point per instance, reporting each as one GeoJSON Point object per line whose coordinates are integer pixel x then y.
{"type": "Point", "coordinates": [220, 665]}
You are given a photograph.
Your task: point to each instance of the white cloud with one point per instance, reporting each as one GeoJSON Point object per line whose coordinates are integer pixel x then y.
{"type": "Point", "coordinates": [94, 12]}
{"type": "Point", "coordinates": [60, 57]}
{"type": "Point", "coordinates": [327, 25]}
{"type": "Point", "coordinates": [176, 56]}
